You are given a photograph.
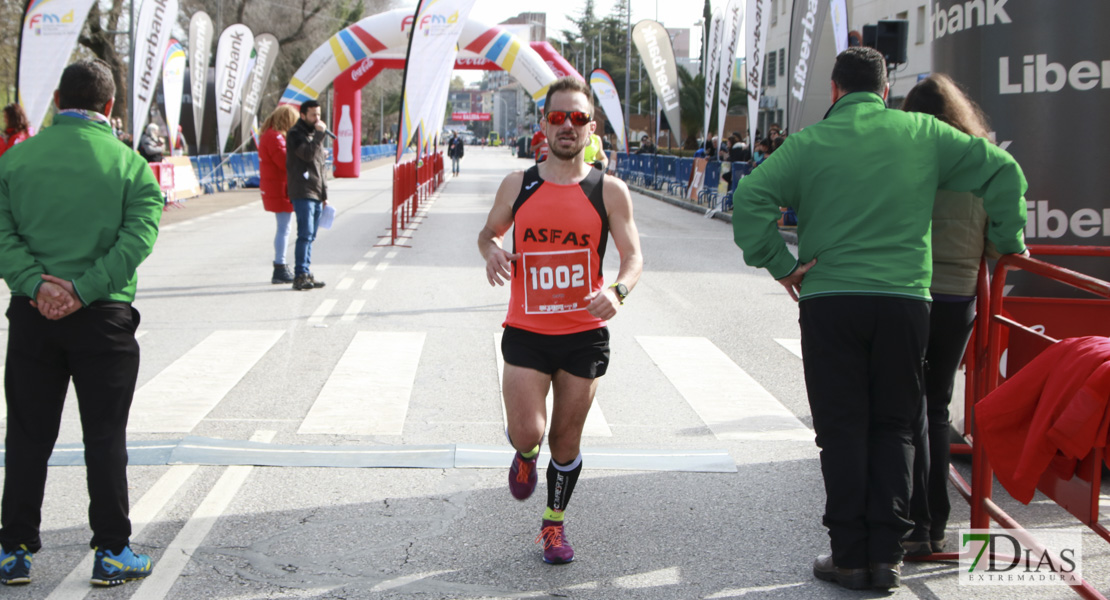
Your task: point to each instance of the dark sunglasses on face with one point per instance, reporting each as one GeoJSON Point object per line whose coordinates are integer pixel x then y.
{"type": "Point", "coordinates": [577, 118]}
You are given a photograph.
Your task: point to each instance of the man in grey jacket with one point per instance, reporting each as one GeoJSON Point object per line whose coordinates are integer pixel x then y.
{"type": "Point", "coordinates": [305, 160]}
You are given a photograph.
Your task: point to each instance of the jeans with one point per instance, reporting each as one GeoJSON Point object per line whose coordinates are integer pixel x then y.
{"type": "Point", "coordinates": [863, 358]}
{"type": "Point", "coordinates": [454, 165]}
{"type": "Point", "coordinates": [96, 347]}
{"type": "Point", "coordinates": [281, 238]}
{"type": "Point", "coordinates": [308, 216]}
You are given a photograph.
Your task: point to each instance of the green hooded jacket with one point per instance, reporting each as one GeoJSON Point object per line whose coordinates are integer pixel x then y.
{"type": "Point", "coordinates": [862, 183]}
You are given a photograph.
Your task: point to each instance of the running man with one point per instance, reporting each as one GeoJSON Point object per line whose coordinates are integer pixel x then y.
{"type": "Point", "coordinates": [562, 212]}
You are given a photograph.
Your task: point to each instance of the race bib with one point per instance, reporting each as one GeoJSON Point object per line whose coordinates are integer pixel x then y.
{"type": "Point", "coordinates": [556, 282]}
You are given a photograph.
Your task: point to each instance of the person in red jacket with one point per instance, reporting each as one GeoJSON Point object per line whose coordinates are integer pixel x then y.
{"type": "Point", "coordinates": [16, 127]}
{"type": "Point", "coordinates": [272, 183]}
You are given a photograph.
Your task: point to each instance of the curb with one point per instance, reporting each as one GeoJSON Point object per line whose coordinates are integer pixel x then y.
{"type": "Point", "coordinates": [790, 235]}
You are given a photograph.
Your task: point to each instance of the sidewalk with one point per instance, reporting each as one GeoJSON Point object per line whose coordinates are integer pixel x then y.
{"type": "Point", "coordinates": [790, 234]}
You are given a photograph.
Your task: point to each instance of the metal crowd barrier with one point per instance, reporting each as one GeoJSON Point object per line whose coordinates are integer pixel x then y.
{"type": "Point", "coordinates": [674, 174]}
{"type": "Point", "coordinates": [232, 171]}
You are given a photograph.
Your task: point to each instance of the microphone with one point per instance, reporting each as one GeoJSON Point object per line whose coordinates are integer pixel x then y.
{"type": "Point", "coordinates": [330, 134]}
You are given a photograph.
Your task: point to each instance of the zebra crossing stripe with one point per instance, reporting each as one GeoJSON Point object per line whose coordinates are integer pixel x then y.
{"type": "Point", "coordinates": [179, 397]}
{"type": "Point", "coordinates": [728, 400]}
{"type": "Point", "coordinates": [181, 549]}
{"type": "Point", "coordinates": [793, 345]}
{"type": "Point", "coordinates": [596, 425]}
{"type": "Point", "coordinates": [352, 311]}
{"type": "Point", "coordinates": [345, 283]}
{"type": "Point", "coordinates": [322, 311]}
{"type": "Point", "coordinates": [369, 389]}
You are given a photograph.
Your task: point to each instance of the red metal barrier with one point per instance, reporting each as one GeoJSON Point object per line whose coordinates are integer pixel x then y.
{"type": "Point", "coordinates": [1022, 325]}
{"type": "Point", "coordinates": [413, 183]}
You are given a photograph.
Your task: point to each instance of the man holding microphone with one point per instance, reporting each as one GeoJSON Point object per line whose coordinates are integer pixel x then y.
{"type": "Point", "coordinates": [305, 162]}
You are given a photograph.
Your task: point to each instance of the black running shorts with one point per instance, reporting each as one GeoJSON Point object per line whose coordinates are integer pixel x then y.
{"type": "Point", "coordinates": [584, 354]}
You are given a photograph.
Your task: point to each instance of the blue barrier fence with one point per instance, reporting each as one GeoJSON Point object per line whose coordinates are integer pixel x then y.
{"type": "Point", "coordinates": [241, 169]}
{"type": "Point", "coordinates": [672, 174]}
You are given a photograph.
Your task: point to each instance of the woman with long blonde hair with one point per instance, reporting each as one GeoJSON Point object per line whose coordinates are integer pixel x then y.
{"type": "Point", "coordinates": [958, 243]}
{"type": "Point", "coordinates": [272, 183]}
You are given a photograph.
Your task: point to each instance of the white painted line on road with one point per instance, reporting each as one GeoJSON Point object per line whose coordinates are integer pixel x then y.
{"type": "Point", "coordinates": [180, 396]}
{"type": "Point", "coordinates": [322, 311]}
{"type": "Point", "coordinates": [369, 284]}
{"type": "Point", "coordinates": [181, 549]}
{"type": "Point", "coordinates": [76, 584]}
{"type": "Point", "coordinates": [352, 310]}
{"type": "Point", "coordinates": [728, 400]}
{"type": "Point", "coordinates": [140, 333]}
{"type": "Point", "coordinates": [405, 580]}
{"type": "Point", "coordinates": [381, 266]}
{"type": "Point", "coordinates": [345, 283]}
{"type": "Point", "coordinates": [596, 425]}
{"type": "Point", "coordinates": [669, 576]}
{"type": "Point", "coordinates": [368, 392]}
{"type": "Point", "coordinates": [392, 254]}
{"type": "Point", "coordinates": [754, 591]}
{"type": "Point", "coordinates": [794, 346]}
{"type": "Point", "coordinates": [371, 253]}
{"type": "Point", "coordinates": [360, 265]}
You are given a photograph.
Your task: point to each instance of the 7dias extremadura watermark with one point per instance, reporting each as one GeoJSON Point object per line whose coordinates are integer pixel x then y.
{"type": "Point", "coordinates": [1011, 557]}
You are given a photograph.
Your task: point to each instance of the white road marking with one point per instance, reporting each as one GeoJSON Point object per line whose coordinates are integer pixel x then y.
{"type": "Point", "coordinates": [369, 284]}
{"type": "Point", "coordinates": [596, 425]}
{"type": "Point", "coordinates": [392, 254]}
{"type": "Point", "coordinates": [793, 345]}
{"type": "Point", "coordinates": [728, 400]}
{"type": "Point", "coordinates": [368, 391]}
{"type": "Point", "coordinates": [322, 311]}
{"type": "Point", "coordinates": [345, 283]}
{"type": "Point", "coordinates": [381, 266]}
{"type": "Point", "coordinates": [179, 397]}
{"type": "Point", "coordinates": [76, 584]}
{"type": "Point", "coordinates": [181, 549]}
{"type": "Point", "coordinates": [360, 265]}
{"type": "Point", "coordinates": [371, 253]}
{"type": "Point", "coordinates": [352, 310]}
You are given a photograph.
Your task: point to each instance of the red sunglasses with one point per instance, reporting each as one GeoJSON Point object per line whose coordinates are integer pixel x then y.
{"type": "Point", "coordinates": [577, 118]}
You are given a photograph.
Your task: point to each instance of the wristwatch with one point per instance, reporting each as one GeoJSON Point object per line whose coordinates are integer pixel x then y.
{"type": "Point", "coordinates": [621, 290]}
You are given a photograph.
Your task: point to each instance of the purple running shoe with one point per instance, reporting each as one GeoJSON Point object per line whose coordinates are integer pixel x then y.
{"type": "Point", "coordinates": [522, 477]}
{"type": "Point", "coordinates": [556, 547]}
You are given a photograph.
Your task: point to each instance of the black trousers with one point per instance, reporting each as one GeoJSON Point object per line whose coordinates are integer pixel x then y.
{"type": "Point", "coordinates": [950, 325]}
{"type": "Point", "coordinates": [96, 347]}
{"type": "Point", "coordinates": [863, 360]}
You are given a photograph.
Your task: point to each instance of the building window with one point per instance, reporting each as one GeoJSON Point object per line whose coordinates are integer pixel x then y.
{"type": "Point", "coordinates": [775, 13]}
{"type": "Point", "coordinates": [782, 61]}
{"type": "Point", "coordinates": [922, 23]}
{"type": "Point", "coordinates": [771, 70]}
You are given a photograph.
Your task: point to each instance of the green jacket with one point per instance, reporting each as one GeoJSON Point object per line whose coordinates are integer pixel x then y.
{"type": "Point", "coordinates": [862, 182]}
{"type": "Point", "coordinates": [77, 204]}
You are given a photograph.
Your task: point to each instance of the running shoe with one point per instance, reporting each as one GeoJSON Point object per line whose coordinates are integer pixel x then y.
{"type": "Point", "coordinates": [556, 547]}
{"type": "Point", "coordinates": [522, 476]}
{"type": "Point", "coordinates": [15, 566]}
{"type": "Point", "coordinates": [113, 569]}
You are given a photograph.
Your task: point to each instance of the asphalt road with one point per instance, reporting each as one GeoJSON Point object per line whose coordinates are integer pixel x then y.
{"type": "Point", "coordinates": [395, 361]}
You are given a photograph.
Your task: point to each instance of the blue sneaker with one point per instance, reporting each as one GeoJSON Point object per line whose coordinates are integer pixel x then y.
{"type": "Point", "coordinates": [111, 569]}
{"type": "Point", "coordinates": [15, 567]}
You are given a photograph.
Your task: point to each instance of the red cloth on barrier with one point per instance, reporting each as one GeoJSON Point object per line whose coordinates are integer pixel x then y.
{"type": "Point", "coordinates": [1060, 402]}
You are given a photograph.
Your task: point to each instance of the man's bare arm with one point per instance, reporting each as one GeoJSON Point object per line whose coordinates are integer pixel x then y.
{"type": "Point", "coordinates": [500, 219]}
{"type": "Point", "coordinates": [622, 228]}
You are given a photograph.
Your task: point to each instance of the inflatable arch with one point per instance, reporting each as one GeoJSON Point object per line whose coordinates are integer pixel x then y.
{"type": "Point", "coordinates": [354, 56]}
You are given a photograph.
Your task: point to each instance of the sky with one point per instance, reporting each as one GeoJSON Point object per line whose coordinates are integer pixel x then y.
{"type": "Point", "coordinates": [671, 13]}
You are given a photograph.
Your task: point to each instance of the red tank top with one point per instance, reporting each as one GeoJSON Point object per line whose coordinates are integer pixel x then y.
{"type": "Point", "coordinates": [561, 232]}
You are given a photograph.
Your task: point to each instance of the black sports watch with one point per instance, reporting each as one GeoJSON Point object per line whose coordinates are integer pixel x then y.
{"type": "Point", "coordinates": [622, 291]}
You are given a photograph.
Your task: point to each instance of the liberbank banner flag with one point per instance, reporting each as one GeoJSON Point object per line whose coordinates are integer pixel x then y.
{"type": "Point", "coordinates": [654, 44]}
{"type": "Point", "coordinates": [756, 19]}
{"type": "Point", "coordinates": [173, 81]}
{"type": "Point", "coordinates": [435, 32]}
{"type": "Point", "coordinates": [233, 53]}
{"type": "Point", "coordinates": [710, 70]}
{"type": "Point", "coordinates": [152, 34]}
{"type": "Point", "coordinates": [734, 19]}
{"type": "Point", "coordinates": [266, 53]}
{"type": "Point", "coordinates": [47, 39]}
{"type": "Point", "coordinates": [602, 84]}
{"type": "Point", "coordinates": [200, 51]}
{"type": "Point", "coordinates": [838, 12]}
{"type": "Point", "coordinates": [807, 23]}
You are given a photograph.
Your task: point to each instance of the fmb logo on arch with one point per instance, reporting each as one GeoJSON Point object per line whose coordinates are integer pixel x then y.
{"type": "Point", "coordinates": [1012, 557]}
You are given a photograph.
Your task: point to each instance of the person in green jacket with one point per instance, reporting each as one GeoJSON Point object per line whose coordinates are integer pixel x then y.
{"type": "Point", "coordinates": [862, 182]}
{"type": "Point", "coordinates": [78, 212]}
